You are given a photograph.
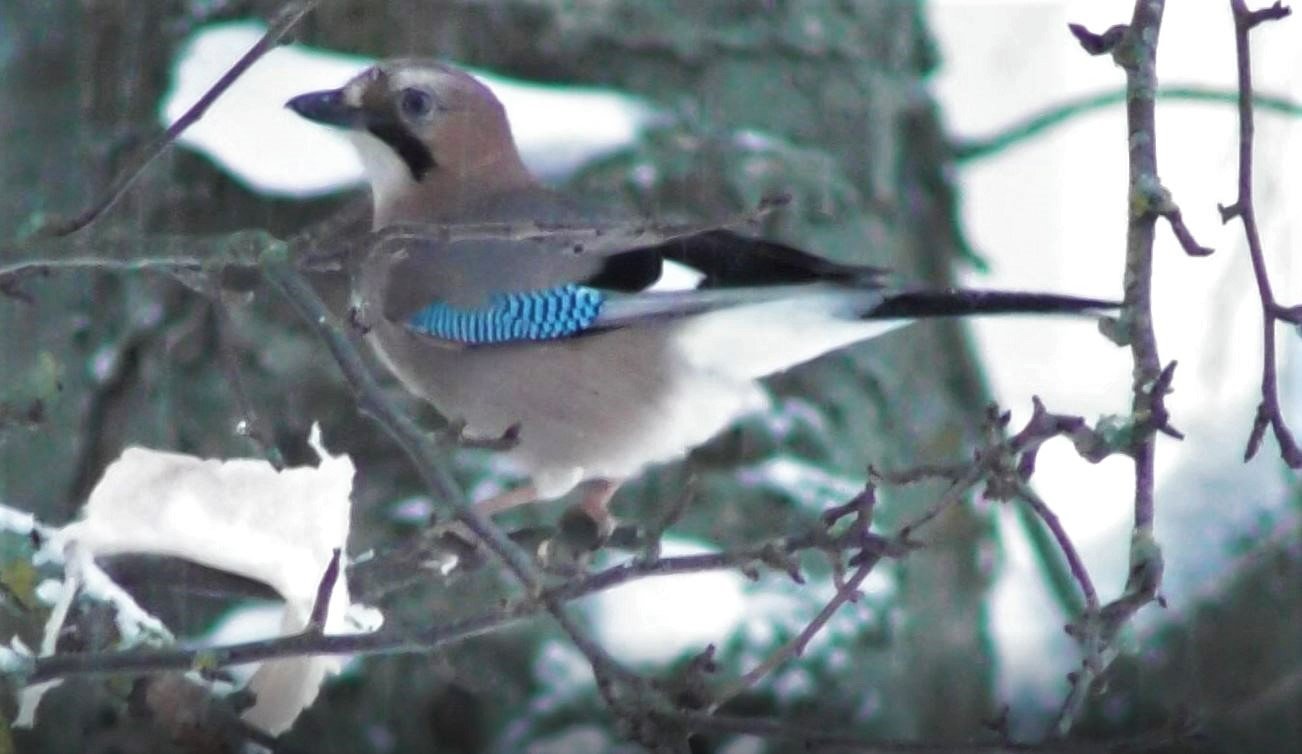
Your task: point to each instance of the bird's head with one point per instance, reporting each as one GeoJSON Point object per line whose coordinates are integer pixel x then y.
{"type": "Point", "coordinates": [423, 129]}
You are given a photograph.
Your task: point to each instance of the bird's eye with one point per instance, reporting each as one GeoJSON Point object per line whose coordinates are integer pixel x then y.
{"type": "Point", "coordinates": [416, 103]}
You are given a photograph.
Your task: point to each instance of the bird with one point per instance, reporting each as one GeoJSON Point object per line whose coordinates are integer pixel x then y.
{"type": "Point", "coordinates": [602, 373]}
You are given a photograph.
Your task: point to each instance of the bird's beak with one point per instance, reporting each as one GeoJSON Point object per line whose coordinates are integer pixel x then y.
{"type": "Point", "coordinates": [328, 108]}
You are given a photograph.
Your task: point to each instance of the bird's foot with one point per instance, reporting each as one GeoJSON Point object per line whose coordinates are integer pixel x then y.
{"type": "Point", "coordinates": [584, 527]}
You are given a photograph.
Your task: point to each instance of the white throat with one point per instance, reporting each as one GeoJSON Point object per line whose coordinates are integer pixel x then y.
{"type": "Point", "coordinates": [389, 176]}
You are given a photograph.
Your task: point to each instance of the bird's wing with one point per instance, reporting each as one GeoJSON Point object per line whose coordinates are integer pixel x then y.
{"type": "Point", "coordinates": [725, 259]}
{"type": "Point", "coordinates": [614, 290]}
{"type": "Point", "coordinates": [745, 288]}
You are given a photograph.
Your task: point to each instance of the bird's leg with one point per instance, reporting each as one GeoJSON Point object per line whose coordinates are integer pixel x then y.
{"type": "Point", "coordinates": [522, 495]}
{"type": "Point", "coordinates": [587, 524]}
{"type": "Point", "coordinates": [582, 530]}
{"type": "Point", "coordinates": [491, 506]}
{"type": "Point", "coordinates": [596, 500]}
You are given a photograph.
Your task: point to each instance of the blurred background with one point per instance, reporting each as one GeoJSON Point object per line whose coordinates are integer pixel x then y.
{"type": "Point", "coordinates": [866, 114]}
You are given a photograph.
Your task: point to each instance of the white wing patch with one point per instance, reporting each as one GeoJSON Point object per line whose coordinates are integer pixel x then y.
{"type": "Point", "coordinates": [748, 342]}
{"type": "Point", "coordinates": [676, 276]}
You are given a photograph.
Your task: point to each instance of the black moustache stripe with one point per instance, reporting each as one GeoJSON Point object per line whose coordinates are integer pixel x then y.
{"type": "Point", "coordinates": [413, 153]}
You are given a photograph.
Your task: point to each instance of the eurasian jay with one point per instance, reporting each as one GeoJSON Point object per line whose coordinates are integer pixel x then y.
{"type": "Point", "coordinates": [602, 376]}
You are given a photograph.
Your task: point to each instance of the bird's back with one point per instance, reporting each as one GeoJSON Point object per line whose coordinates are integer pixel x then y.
{"type": "Point", "coordinates": [466, 272]}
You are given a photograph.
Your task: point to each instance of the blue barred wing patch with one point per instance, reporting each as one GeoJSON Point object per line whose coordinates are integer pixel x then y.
{"type": "Point", "coordinates": [545, 314]}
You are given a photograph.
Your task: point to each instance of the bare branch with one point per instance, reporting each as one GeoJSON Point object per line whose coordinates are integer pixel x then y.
{"type": "Point", "coordinates": [397, 640]}
{"type": "Point", "coordinates": [285, 20]}
{"type": "Point", "coordinates": [1136, 53]}
{"type": "Point", "coordinates": [251, 423]}
{"type": "Point", "coordinates": [569, 238]}
{"type": "Point", "coordinates": [1074, 562]}
{"type": "Point", "coordinates": [321, 605]}
{"type": "Point", "coordinates": [1270, 414]}
{"type": "Point", "coordinates": [1134, 49]}
{"type": "Point", "coordinates": [846, 591]}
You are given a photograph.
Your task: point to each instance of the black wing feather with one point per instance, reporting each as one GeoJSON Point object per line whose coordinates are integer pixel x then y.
{"type": "Point", "coordinates": [727, 260]}
{"type": "Point", "coordinates": [629, 271]}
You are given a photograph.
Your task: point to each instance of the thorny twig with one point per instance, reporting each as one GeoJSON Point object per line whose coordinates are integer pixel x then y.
{"type": "Point", "coordinates": [846, 591]}
{"type": "Point", "coordinates": [1269, 413]}
{"type": "Point", "coordinates": [1005, 465]}
{"type": "Point", "coordinates": [570, 238]}
{"type": "Point", "coordinates": [177, 255]}
{"type": "Point", "coordinates": [1134, 48]}
{"type": "Point", "coordinates": [670, 516]}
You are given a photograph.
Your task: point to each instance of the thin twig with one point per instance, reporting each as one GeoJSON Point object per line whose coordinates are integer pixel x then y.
{"type": "Point", "coordinates": [251, 423]}
{"type": "Point", "coordinates": [135, 253]}
{"type": "Point", "coordinates": [1134, 49]}
{"type": "Point", "coordinates": [281, 25]}
{"type": "Point", "coordinates": [321, 605]}
{"type": "Point", "coordinates": [1269, 413]}
{"type": "Point", "coordinates": [849, 590]}
{"type": "Point", "coordinates": [1088, 629]}
{"type": "Point", "coordinates": [1136, 52]}
{"type": "Point", "coordinates": [398, 640]}
{"type": "Point", "coordinates": [1074, 562]}
{"type": "Point", "coordinates": [302, 644]}
{"type": "Point", "coordinates": [1093, 445]}
{"type": "Point", "coordinates": [795, 647]}
{"type": "Point", "coordinates": [595, 238]}
{"type": "Point", "coordinates": [315, 251]}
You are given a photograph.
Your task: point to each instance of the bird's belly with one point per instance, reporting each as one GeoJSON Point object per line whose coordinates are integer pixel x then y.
{"type": "Point", "coordinates": [603, 406]}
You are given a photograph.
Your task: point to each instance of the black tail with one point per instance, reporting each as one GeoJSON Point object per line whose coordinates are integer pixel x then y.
{"type": "Point", "coordinates": [956, 302]}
